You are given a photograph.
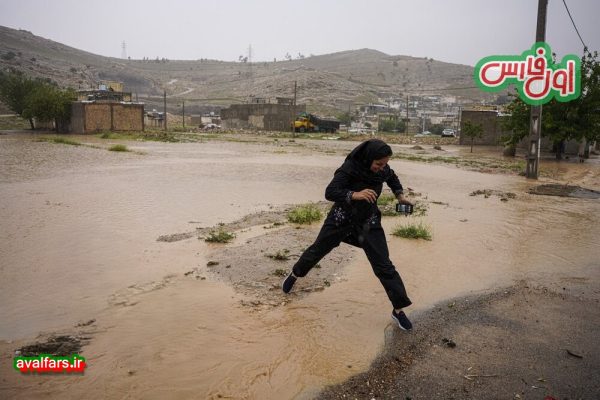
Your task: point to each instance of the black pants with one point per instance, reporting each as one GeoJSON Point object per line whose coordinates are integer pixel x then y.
{"type": "Point", "coordinates": [372, 240]}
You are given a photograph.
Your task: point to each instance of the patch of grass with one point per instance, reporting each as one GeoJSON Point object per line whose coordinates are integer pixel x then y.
{"type": "Point", "coordinates": [219, 236]}
{"type": "Point", "coordinates": [385, 199]}
{"type": "Point", "coordinates": [413, 231]}
{"type": "Point", "coordinates": [420, 209]}
{"type": "Point", "coordinates": [281, 255]}
{"type": "Point", "coordinates": [486, 193]}
{"type": "Point", "coordinates": [305, 214]}
{"type": "Point", "coordinates": [118, 147]}
{"type": "Point", "coordinates": [279, 272]}
{"type": "Point", "coordinates": [59, 140]}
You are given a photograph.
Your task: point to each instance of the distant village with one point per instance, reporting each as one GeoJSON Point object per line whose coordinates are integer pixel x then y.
{"type": "Point", "coordinates": [110, 107]}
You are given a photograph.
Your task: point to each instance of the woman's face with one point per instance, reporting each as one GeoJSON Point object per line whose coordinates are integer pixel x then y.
{"type": "Point", "coordinates": [378, 165]}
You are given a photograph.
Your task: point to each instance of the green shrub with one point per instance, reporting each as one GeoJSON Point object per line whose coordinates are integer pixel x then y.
{"type": "Point", "coordinates": [385, 199]}
{"type": "Point", "coordinates": [219, 236]}
{"type": "Point", "coordinates": [281, 255]}
{"type": "Point", "coordinates": [413, 231]}
{"type": "Point", "coordinates": [118, 147]}
{"type": "Point", "coordinates": [304, 214]}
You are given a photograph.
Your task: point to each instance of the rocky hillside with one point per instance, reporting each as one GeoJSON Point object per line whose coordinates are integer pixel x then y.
{"type": "Point", "coordinates": [327, 83]}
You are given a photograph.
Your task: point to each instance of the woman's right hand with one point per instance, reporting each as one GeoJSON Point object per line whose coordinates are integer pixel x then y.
{"type": "Point", "coordinates": [366, 194]}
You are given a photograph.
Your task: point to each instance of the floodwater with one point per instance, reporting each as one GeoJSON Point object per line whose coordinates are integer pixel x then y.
{"type": "Point", "coordinates": [78, 242]}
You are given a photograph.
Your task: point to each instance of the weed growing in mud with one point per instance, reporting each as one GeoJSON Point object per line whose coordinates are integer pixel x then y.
{"type": "Point", "coordinates": [118, 147]}
{"type": "Point", "coordinates": [59, 140]}
{"type": "Point", "coordinates": [420, 209]}
{"type": "Point", "coordinates": [305, 214]}
{"type": "Point", "coordinates": [413, 231]}
{"type": "Point", "coordinates": [385, 199]}
{"type": "Point", "coordinates": [386, 203]}
{"type": "Point", "coordinates": [280, 272]}
{"type": "Point", "coordinates": [281, 255]}
{"type": "Point", "coordinates": [219, 236]}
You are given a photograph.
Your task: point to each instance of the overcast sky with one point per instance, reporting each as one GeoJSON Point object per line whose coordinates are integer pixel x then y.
{"type": "Point", "coordinates": [457, 31]}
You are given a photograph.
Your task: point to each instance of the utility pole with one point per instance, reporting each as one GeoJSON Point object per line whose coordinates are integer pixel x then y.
{"type": "Point", "coordinates": [294, 108]}
{"type": "Point", "coordinates": [535, 120]}
{"type": "Point", "coordinates": [183, 112]}
{"type": "Point", "coordinates": [407, 120]}
{"type": "Point", "coordinates": [165, 109]}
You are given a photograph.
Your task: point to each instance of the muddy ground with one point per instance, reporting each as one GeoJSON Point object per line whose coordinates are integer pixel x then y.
{"type": "Point", "coordinates": [163, 314]}
{"type": "Point", "coordinates": [520, 342]}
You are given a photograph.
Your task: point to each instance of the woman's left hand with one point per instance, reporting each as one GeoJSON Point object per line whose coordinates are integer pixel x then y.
{"type": "Point", "coordinates": [404, 200]}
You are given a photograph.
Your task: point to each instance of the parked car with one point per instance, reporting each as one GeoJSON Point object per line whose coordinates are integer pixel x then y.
{"type": "Point", "coordinates": [448, 133]}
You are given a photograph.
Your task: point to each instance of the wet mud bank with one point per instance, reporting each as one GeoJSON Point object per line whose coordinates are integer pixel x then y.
{"type": "Point", "coordinates": [520, 342]}
{"type": "Point", "coordinates": [263, 248]}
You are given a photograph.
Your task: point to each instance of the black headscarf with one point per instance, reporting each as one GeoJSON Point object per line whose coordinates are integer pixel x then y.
{"type": "Point", "coordinates": [358, 162]}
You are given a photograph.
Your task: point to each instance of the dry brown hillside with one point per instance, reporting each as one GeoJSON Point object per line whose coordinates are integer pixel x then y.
{"type": "Point", "coordinates": [327, 83]}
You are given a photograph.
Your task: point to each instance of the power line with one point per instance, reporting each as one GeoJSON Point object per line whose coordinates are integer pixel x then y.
{"type": "Point", "coordinates": [574, 26]}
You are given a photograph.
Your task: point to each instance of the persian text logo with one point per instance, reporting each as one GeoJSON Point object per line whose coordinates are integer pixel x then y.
{"type": "Point", "coordinates": [537, 78]}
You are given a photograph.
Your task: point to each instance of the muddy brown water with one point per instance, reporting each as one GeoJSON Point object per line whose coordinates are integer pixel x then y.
{"type": "Point", "coordinates": [78, 242]}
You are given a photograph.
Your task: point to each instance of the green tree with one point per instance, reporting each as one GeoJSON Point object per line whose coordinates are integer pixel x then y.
{"type": "Point", "coordinates": [391, 125]}
{"type": "Point", "coordinates": [50, 103]}
{"type": "Point", "coordinates": [578, 119]}
{"type": "Point", "coordinates": [436, 129]}
{"type": "Point", "coordinates": [517, 123]}
{"type": "Point", "coordinates": [14, 89]}
{"type": "Point", "coordinates": [472, 131]}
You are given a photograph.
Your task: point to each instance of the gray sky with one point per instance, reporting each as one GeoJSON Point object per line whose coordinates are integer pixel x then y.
{"type": "Point", "coordinates": [457, 31]}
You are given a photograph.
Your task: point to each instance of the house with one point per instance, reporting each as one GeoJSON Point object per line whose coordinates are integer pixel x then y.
{"type": "Point", "coordinates": [106, 108]}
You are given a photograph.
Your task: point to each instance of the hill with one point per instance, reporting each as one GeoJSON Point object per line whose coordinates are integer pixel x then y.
{"type": "Point", "coordinates": [327, 83]}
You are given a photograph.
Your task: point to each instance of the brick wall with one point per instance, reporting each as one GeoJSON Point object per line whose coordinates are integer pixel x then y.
{"type": "Point", "coordinates": [95, 117]}
{"type": "Point", "coordinates": [128, 117]}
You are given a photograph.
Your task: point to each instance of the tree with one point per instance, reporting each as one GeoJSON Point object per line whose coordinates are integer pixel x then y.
{"type": "Point", "coordinates": [517, 123]}
{"type": "Point", "coordinates": [472, 131]}
{"type": "Point", "coordinates": [50, 103]}
{"type": "Point", "coordinates": [14, 88]}
{"type": "Point", "coordinates": [578, 119]}
{"type": "Point", "coordinates": [391, 125]}
{"type": "Point", "coordinates": [35, 98]}
{"type": "Point", "coordinates": [436, 129]}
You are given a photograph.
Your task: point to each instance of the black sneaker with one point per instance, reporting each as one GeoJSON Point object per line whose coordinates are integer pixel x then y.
{"type": "Point", "coordinates": [402, 320]}
{"type": "Point", "coordinates": [288, 283]}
